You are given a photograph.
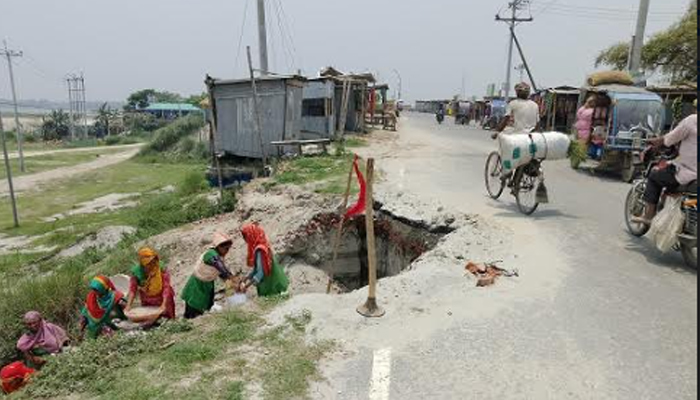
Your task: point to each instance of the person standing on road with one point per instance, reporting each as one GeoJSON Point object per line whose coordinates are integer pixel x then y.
{"type": "Point", "coordinates": [522, 114]}
{"type": "Point", "coordinates": [681, 171]}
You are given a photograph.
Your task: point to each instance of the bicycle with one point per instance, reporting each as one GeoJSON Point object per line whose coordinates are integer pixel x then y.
{"type": "Point", "coordinates": [526, 182]}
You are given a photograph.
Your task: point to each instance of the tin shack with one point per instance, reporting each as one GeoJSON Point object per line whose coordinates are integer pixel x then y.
{"type": "Point", "coordinates": [234, 117]}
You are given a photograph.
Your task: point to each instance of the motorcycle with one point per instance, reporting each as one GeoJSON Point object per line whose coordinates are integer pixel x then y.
{"type": "Point", "coordinates": [635, 205]}
{"type": "Point", "coordinates": [440, 118]}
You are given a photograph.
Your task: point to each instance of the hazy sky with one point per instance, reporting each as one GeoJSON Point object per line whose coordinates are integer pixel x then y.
{"type": "Point", "coordinates": [125, 45]}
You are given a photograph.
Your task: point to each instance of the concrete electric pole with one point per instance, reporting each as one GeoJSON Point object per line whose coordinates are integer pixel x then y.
{"type": "Point", "coordinates": [262, 38]}
{"type": "Point", "coordinates": [8, 172]}
{"type": "Point", "coordinates": [514, 6]}
{"type": "Point", "coordinates": [9, 54]}
{"type": "Point", "coordinates": [635, 62]}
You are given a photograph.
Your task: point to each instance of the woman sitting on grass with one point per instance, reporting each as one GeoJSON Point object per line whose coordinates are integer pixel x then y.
{"type": "Point", "coordinates": [103, 303]}
{"type": "Point", "coordinates": [266, 275]}
{"type": "Point", "coordinates": [150, 282]}
{"type": "Point", "coordinates": [199, 290]}
{"type": "Point", "coordinates": [42, 339]}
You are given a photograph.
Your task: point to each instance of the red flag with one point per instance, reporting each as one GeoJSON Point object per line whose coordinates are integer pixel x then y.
{"type": "Point", "coordinates": [359, 207]}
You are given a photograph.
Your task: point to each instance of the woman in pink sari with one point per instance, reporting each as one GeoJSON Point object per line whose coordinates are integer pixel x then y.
{"type": "Point", "coordinates": [584, 121]}
{"type": "Point", "coordinates": [43, 338]}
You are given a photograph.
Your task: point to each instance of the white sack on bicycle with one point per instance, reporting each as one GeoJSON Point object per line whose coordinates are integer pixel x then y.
{"type": "Point", "coordinates": [519, 149]}
{"type": "Point", "coordinates": [667, 225]}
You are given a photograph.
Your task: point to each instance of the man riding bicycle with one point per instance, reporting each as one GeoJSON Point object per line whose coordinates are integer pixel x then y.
{"type": "Point", "coordinates": [522, 114]}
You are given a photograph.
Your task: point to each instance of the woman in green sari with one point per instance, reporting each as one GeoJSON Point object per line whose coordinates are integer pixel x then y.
{"type": "Point", "coordinates": [267, 275]}
{"type": "Point", "coordinates": [199, 290]}
{"type": "Point", "coordinates": [103, 303]}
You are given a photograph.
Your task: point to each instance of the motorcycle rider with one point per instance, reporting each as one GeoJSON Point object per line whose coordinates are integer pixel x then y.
{"type": "Point", "coordinates": [679, 172]}
{"type": "Point", "coordinates": [440, 114]}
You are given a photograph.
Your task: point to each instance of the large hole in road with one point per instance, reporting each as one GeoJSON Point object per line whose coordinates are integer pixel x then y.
{"type": "Point", "coordinates": [399, 242]}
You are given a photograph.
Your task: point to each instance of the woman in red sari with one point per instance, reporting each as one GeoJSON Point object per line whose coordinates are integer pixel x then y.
{"type": "Point", "coordinates": [15, 376]}
{"type": "Point", "coordinates": [150, 282]}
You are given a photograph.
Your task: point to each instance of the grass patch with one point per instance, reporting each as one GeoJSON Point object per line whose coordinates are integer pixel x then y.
{"type": "Point", "coordinates": [328, 173]}
{"type": "Point", "coordinates": [59, 293]}
{"type": "Point", "coordinates": [206, 360]}
{"type": "Point", "coordinates": [354, 142]}
{"type": "Point", "coordinates": [34, 164]}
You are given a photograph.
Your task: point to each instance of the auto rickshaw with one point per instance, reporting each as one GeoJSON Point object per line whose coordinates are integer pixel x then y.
{"type": "Point", "coordinates": [495, 112]}
{"type": "Point", "coordinates": [625, 117]}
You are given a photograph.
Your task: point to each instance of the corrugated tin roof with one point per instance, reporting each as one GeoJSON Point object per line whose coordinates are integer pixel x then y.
{"type": "Point", "coordinates": [257, 79]}
{"type": "Point", "coordinates": [171, 107]}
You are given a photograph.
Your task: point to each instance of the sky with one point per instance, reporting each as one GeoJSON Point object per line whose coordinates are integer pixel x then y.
{"type": "Point", "coordinates": [439, 48]}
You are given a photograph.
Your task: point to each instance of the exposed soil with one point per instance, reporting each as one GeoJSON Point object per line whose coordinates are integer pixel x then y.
{"type": "Point", "coordinates": [105, 238]}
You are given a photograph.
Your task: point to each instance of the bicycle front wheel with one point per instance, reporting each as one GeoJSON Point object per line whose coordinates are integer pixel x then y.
{"type": "Point", "coordinates": [492, 174]}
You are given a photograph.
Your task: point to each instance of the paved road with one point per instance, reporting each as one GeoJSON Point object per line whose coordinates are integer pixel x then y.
{"type": "Point", "coordinates": [620, 323]}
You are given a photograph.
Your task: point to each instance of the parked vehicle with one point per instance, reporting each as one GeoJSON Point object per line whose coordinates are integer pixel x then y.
{"type": "Point", "coordinates": [635, 205]}
{"type": "Point", "coordinates": [625, 117]}
{"type": "Point", "coordinates": [495, 112]}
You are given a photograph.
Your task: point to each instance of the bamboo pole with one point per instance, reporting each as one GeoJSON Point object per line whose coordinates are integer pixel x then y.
{"type": "Point", "coordinates": [370, 309]}
{"type": "Point", "coordinates": [339, 233]}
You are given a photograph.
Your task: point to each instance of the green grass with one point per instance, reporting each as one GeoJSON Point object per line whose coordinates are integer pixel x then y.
{"type": "Point", "coordinates": [175, 143]}
{"type": "Point", "coordinates": [58, 295]}
{"type": "Point", "coordinates": [34, 164]}
{"type": "Point", "coordinates": [205, 360]}
{"type": "Point", "coordinates": [328, 173]}
{"type": "Point", "coordinates": [355, 142]}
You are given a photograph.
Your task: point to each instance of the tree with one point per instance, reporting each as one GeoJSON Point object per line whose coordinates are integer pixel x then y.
{"type": "Point", "coordinates": [56, 125]}
{"type": "Point", "coordinates": [143, 98]}
{"type": "Point", "coordinates": [196, 99]}
{"type": "Point", "coordinates": [673, 52]}
{"type": "Point", "coordinates": [105, 116]}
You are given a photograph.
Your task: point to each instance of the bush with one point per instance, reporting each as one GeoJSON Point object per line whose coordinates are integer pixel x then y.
{"type": "Point", "coordinates": [167, 138]}
{"type": "Point", "coordinates": [142, 122]}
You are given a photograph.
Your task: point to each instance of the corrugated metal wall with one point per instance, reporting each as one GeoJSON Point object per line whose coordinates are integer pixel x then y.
{"type": "Point", "coordinates": [280, 108]}
{"type": "Point", "coordinates": [315, 127]}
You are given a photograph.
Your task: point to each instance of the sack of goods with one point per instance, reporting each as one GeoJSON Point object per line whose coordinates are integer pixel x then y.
{"type": "Point", "coordinates": [520, 149]}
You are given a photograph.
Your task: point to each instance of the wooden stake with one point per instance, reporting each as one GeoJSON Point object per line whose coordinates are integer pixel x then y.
{"type": "Point", "coordinates": [256, 107]}
{"type": "Point", "coordinates": [339, 233]}
{"type": "Point", "coordinates": [370, 309]}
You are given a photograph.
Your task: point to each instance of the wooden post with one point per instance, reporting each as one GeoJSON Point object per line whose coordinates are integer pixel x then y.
{"type": "Point", "coordinates": [339, 232]}
{"type": "Point", "coordinates": [256, 107]}
{"type": "Point", "coordinates": [370, 309]}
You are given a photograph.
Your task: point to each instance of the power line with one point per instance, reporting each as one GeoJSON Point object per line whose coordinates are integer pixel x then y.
{"type": "Point", "coordinates": [289, 28]}
{"type": "Point", "coordinates": [286, 49]}
{"type": "Point", "coordinates": [240, 38]}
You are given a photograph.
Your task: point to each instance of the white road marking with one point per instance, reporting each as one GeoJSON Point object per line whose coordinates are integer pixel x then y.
{"type": "Point", "coordinates": [381, 375]}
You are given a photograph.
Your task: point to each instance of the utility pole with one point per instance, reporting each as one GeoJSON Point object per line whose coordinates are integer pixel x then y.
{"type": "Point", "coordinates": [514, 6]}
{"type": "Point", "coordinates": [262, 38]}
{"type": "Point", "coordinates": [78, 106]}
{"type": "Point", "coordinates": [8, 172]}
{"type": "Point", "coordinates": [400, 88]}
{"type": "Point", "coordinates": [521, 68]}
{"type": "Point", "coordinates": [9, 54]}
{"type": "Point", "coordinates": [635, 62]}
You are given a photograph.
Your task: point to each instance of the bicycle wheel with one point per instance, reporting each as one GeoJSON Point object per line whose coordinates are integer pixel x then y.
{"type": "Point", "coordinates": [492, 175]}
{"type": "Point", "coordinates": [525, 187]}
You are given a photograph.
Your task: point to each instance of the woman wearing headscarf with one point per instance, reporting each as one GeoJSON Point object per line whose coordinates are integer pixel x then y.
{"type": "Point", "coordinates": [150, 282]}
{"type": "Point", "coordinates": [103, 302]}
{"type": "Point", "coordinates": [42, 338]}
{"type": "Point", "coordinates": [199, 290]}
{"type": "Point", "coordinates": [267, 275]}
{"type": "Point", "coordinates": [15, 376]}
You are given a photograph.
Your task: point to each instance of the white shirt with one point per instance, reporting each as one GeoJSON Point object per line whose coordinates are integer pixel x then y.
{"type": "Point", "coordinates": [525, 113]}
